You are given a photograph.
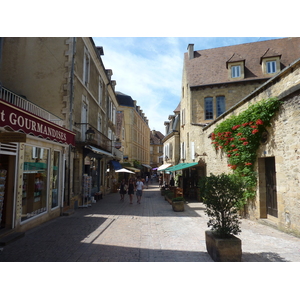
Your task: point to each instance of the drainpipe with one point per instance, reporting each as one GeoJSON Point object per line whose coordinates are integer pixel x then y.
{"type": "Point", "coordinates": [71, 113]}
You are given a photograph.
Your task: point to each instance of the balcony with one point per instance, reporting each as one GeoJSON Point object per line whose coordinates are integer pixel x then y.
{"type": "Point", "coordinates": [28, 106]}
{"type": "Point", "coordinates": [96, 139]}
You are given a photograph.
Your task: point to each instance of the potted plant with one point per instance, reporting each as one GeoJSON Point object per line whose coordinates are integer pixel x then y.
{"type": "Point", "coordinates": [169, 195]}
{"type": "Point", "coordinates": [222, 196]}
{"type": "Point", "coordinates": [178, 204]}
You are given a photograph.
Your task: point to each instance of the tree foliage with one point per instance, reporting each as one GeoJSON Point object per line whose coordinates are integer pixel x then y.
{"type": "Point", "coordinates": [222, 196]}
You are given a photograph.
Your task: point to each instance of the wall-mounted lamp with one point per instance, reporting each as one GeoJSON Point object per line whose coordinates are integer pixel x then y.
{"type": "Point", "coordinates": [203, 154]}
{"type": "Point", "coordinates": [89, 135]}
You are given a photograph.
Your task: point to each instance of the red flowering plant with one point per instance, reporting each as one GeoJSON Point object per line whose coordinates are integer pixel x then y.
{"type": "Point", "coordinates": [239, 138]}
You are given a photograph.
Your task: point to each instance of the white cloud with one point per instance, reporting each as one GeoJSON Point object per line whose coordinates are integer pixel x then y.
{"type": "Point", "coordinates": [147, 69]}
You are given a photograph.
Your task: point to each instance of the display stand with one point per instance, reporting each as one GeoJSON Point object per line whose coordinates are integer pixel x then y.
{"type": "Point", "coordinates": [86, 190]}
{"type": "Point", "coordinates": [2, 191]}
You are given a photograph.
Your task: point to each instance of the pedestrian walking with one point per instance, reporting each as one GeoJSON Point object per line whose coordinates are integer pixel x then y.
{"type": "Point", "coordinates": [130, 190]}
{"type": "Point", "coordinates": [139, 190]}
{"type": "Point", "coordinates": [123, 189]}
{"type": "Point", "coordinates": [147, 181]}
{"type": "Point", "coordinates": [160, 181]}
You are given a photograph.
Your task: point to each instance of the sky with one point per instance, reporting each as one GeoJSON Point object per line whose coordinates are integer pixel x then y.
{"type": "Point", "coordinates": [149, 69]}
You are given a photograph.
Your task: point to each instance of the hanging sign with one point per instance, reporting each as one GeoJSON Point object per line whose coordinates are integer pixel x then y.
{"type": "Point", "coordinates": [12, 137]}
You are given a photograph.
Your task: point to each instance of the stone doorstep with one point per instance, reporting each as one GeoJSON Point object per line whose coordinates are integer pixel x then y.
{"type": "Point", "coordinates": [68, 212]}
{"type": "Point", "coordinates": [11, 238]}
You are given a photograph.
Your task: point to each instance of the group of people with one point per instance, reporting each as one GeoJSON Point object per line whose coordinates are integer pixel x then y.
{"type": "Point", "coordinates": [131, 187]}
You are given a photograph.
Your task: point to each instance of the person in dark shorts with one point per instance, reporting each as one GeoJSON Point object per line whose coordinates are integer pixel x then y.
{"type": "Point", "coordinates": [130, 190]}
{"type": "Point", "coordinates": [123, 189]}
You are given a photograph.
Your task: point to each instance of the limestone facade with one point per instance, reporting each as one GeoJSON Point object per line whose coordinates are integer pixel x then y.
{"type": "Point", "coordinates": [283, 146]}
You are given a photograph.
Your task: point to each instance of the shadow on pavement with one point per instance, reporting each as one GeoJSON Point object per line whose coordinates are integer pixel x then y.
{"type": "Point", "coordinates": [262, 257]}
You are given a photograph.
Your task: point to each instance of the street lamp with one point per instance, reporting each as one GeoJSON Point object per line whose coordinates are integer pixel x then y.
{"type": "Point", "coordinates": [89, 135]}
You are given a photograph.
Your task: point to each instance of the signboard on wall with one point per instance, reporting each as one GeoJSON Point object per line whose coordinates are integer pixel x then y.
{"type": "Point", "coordinates": [19, 119]}
{"type": "Point", "coordinates": [12, 137]}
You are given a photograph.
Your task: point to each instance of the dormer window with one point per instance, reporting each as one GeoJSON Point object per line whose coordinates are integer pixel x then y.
{"type": "Point", "coordinates": [270, 62]}
{"type": "Point", "coordinates": [235, 71]}
{"type": "Point", "coordinates": [271, 66]}
{"type": "Point", "coordinates": [235, 65]}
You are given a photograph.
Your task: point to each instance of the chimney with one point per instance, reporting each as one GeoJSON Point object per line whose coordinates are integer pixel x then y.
{"type": "Point", "coordinates": [190, 49]}
{"type": "Point", "coordinates": [100, 50]}
{"type": "Point", "coordinates": [113, 84]}
{"type": "Point", "coordinates": [109, 73]}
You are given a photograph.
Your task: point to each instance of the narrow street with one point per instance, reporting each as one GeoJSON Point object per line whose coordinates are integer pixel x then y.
{"type": "Point", "coordinates": [115, 231]}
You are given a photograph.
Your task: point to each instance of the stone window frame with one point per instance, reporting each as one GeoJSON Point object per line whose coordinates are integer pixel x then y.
{"type": "Point", "coordinates": [232, 65]}
{"type": "Point", "coordinates": [265, 62]}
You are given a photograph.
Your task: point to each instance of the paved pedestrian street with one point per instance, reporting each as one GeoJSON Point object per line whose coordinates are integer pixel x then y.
{"type": "Point", "coordinates": [115, 231]}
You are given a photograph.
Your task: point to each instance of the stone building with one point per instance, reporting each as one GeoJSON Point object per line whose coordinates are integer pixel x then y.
{"type": "Point", "coordinates": [156, 148]}
{"type": "Point", "coordinates": [214, 80]}
{"type": "Point", "coordinates": [136, 137]}
{"type": "Point", "coordinates": [66, 77]}
{"type": "Point", "coordinates": [278, 160]}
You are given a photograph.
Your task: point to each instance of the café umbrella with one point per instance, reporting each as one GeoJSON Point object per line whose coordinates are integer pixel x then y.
{"type": "Point", "coordinates": [123, 170]}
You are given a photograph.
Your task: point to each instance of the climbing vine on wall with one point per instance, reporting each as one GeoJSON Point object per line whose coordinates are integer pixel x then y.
{"type": "Point", "coordinates": [239, 137]}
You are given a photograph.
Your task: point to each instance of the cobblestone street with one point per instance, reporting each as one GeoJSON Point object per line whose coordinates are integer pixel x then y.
{"type": "Point", "coordinates": [115, 231]}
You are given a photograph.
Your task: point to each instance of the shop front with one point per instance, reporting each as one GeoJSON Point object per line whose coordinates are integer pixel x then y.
{"type": "Point", "coordinates": [186, 176]}
{"type": "Point", "coordinates": [32, 168]}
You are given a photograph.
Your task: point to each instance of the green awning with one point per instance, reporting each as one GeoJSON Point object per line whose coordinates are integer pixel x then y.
{"type": "Point", "coordinates": [180, 167]}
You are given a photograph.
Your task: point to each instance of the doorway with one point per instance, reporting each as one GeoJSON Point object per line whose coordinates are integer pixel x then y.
{"type": "Point", "coordinates": [271, 191]}
{"type": "Point", "coordinates": [7, 179]}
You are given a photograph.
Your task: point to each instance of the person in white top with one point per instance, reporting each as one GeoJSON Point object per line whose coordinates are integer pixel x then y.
{"type": "Point", "coordinates": [139, 190]}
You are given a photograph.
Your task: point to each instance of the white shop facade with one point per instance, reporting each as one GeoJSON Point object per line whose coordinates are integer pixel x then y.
{"type": "Point", "coordinates": [33, 152]}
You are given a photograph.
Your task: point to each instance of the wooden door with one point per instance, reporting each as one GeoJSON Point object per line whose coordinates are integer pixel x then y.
{"type": "Point", "coordinates": [271, 193]}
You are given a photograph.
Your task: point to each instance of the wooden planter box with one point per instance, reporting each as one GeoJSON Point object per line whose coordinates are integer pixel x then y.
{"type": "Point", "coordinates": [168, 199]}
{"type": "Point", "coordinates": [223, 249]}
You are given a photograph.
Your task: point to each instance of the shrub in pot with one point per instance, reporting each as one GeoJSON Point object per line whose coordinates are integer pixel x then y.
{"type": "Point", "coordinates": [222, 196]}
{"type": "Point", "coordinates": [169, 195]}
{"type": "Point", "coordinates": [178, 204]}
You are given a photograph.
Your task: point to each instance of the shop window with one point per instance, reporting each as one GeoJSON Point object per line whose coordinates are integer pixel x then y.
{"type": "Point", "coordinates": [35, 182]}
{"type": "Point", "coordinates": [55, 179]}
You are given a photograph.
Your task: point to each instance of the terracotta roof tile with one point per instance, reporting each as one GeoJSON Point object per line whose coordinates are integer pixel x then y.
{"type": "Point", "coordinates": [209, 66]}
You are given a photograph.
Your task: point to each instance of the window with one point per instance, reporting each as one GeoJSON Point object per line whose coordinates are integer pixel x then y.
{"type": "Point", "coordinates": [84, 117]}
{"type": "Point", "coordinates": [220, 105]}
{"type": "Point", "coordinates": [271, 66]}
{"type": "Point", "coordinates": [56, 179]}
{"type": "Point", "coordinates": [208, 108]}
{"type": "Point", "coordinates": [37, 153]}
{"type": "Point", "coordinates": [86, 68]}
{"type": "Point", "coordinates": [35, 183]}
{"type": "Point", "coordinates": [183, 117]}
{"type": "Point", "coordinates": [235, 71]}
{"type": "Point", "coordinates": [99, 125]}
{"type": "Point", "coordinates": [100, 91]}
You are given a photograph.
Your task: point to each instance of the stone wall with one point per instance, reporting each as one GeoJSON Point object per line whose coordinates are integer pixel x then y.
{"type": "Point", "coordinates": [283, 144]}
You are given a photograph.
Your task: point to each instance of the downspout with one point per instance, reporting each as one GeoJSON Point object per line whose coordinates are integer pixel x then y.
{"type": "Point", "coordinates": [71, 113]}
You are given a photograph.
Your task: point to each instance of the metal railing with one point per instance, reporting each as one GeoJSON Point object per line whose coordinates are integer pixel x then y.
{"type": "Point", "coordinates": [99, 139]}
{"type": "Point", "coordinates": [25, 104]}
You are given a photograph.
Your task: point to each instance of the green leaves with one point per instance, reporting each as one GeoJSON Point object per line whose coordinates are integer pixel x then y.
{"type": "Point", "coordinates": [239, 138]}
{"type": "Point", "coordinates": [222, 195]}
